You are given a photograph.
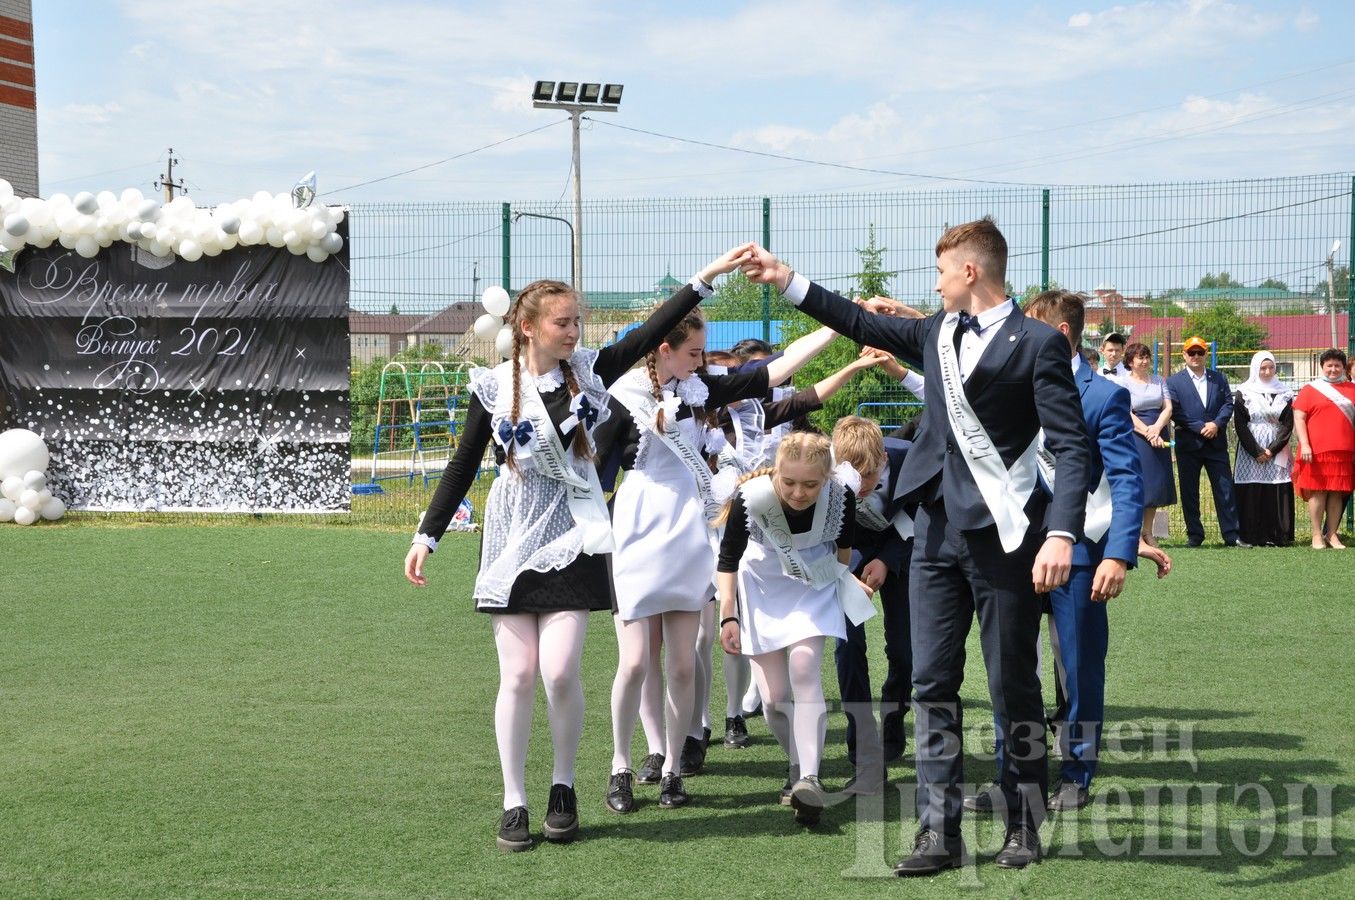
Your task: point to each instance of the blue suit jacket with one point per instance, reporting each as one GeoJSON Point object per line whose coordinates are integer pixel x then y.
{"type": "Point", "coordinates": [1189, 415]}
{"type": "Point", "coordinates": [886, 545]}
{"type": "Point", "coordinates": [1106, 411]}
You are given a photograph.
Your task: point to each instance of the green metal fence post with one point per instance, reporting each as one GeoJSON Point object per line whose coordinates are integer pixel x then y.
{"type": "Point", "coordinates": [1044, 240]}
{"type": "Point", "coordinates": [766, 288]}
{"type": "Point", "coordinates": [506, 231]}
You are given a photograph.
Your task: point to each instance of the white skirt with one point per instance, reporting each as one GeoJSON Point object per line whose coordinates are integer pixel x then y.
{"type": "Point", "coordinates": [776, 610]}
{"type": "Point", "coordinates": [665, 551]}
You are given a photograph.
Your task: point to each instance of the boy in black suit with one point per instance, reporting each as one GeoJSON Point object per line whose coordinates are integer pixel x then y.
{"type": "Point", "coordinates": [994, 379]}
{"type": "Point", "coordinates": [884, 542]}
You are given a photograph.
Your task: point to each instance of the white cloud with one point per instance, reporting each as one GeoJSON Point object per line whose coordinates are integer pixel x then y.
{"type": "Point", "coordinates": [1080, 20]}
{"type": "Point", "coordinates": [1306, 19]}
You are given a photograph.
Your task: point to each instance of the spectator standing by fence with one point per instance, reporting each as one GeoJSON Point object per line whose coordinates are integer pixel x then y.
{"type": "Point", "coordinates": [1324, 474]}
{"type": "Point", "coordinates": [1152, 410]}
{"type": "Point", "coordinates": [1202, 404]}
{"type": "Point", "coordinates": [1263, 416]}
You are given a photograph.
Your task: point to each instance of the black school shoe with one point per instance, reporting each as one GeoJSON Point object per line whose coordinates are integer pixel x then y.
{"type": "Point", "coordinates": [930, 855]}
{"type": "Point", "coordinates": [513, 831]}
{"type": "Point", "coordinates": [621, 792]}
{"type": "Point", "coordinates": [562, 817]}
{"type": "Point", "coordinates": [651, 769]}
{"type": "Point", "coordinates": [792, 776]}
{"type": "Point", "coordinates": [988, 799]}
{"type": "Point", "coordinates": [736, 733]}
{"type": "Point", "coordinates": [693, 757]}
{"type": "Point", "coordinates": [1021, 848]}
{"type": "Point", "coordinates": [671, 792]}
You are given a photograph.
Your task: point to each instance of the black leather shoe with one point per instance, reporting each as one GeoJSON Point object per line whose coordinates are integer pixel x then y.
{"type": "Point", "coordinates": [988, 798]}
{"type": "Point", "coordinates": [693, 757]}
{"type": "Point", "coordinates": [1240, 544]}
{"type": "Point", "coordinates": [1068, 796]}
{"type": "Point", "coordinates": [621, 792]}
{"type": "Point", "coordinates": [867, 782]}
{"type": "Point", "coordinates": [930, 855]}
{"type": "Point", "coordinates": [1193, 542]}
{"type": "Point", "coordinates": [562, 816]}
{"type": "Point", "coordinates": [705, 737]}
{"type": "Point", "coordinates": [651, 769]}
{"type": "Point", "coordinates": [513, 832]}
{"type": "Point", "coordinates": [792, 776]}
{"type": "Point", "coordinates": [736, 733]}
{"type": "Point", "coordinates": [671, 792]}
{"type": "Point", "coordinates": [807, 799]}
{"type": "Point", "coordinates": [1022, 848]}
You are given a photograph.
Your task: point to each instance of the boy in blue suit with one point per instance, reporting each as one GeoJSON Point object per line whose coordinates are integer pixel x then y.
{"type": "Point", "coordinates": [1108, 549]}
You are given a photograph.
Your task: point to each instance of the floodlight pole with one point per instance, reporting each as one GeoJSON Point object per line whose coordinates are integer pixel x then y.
{"type": "Point", "coordinates": [576, 110]}
{"type": "Point", "coordinates": [1331, 293]}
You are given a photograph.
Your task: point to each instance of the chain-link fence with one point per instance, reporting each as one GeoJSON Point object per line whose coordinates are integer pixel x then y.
{"type": "Point", "coordinates": [1246, 264]}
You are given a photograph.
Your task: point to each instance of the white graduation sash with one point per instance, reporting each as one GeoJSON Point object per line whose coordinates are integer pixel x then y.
{"type": "Point", "coordinates": [584, 494]}
{"type": "Point", "coordinates": [1098, 501]}
{"type": "Point", "coordinates": [759, 496]}
{"type": "Point", "coordinates": [1328, 390]}
{"type": "Point", "coordinates": [643, 407]}
{"type": "Point", "coordinates": [1004, 491]}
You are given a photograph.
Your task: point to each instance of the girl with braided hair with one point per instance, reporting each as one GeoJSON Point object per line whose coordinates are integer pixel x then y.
{"type": "Point", "coordinates": [784, 586]}
{"type": "Point", "coordinates": [544, 555]}
{"type": "Point", "coordinates": [661, 512]}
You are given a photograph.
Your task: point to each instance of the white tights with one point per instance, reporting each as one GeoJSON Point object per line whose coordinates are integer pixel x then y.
{"type": "Point", "coordinates": [551, 645]}
{"type": "Point", "coordinates": [792, 697]}
{"type": "Point", "coordinates": [636, 650]}
{"type": "Point", "coordinates": [705, 643]}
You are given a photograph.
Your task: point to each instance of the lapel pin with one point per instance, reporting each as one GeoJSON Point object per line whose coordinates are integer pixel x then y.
{"type": "Point", "coordinates": [1011, 337]}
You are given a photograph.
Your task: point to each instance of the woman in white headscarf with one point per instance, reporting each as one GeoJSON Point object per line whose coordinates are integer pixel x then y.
{"type": "Point", "coordinates": [1263, 414]}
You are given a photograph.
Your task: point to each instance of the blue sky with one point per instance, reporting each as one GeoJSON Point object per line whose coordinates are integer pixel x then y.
{"type": "Point", "coordinates": [253, 94]}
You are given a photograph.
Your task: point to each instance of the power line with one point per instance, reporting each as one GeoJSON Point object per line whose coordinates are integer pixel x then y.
{"type": "Point", "coordinates": [447, 160]}
{"type": "Point", "coordinates": [465, 237]}
{"type": "Point", "coordinates": [814, 162]}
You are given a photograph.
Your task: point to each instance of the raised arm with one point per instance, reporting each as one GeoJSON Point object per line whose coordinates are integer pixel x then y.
{"type": "Point", "coordinates": [903, 337]}
{"type": "Point", "coordinates": [615, 360]}
{"type": "Point", "coordinates": [838, 380]}
{"type": "Point", "coordinates": [797, 353]}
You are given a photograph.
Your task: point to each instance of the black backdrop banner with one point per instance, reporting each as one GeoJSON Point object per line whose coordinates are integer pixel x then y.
{"type": "Point", "coordinates": [159, 384]}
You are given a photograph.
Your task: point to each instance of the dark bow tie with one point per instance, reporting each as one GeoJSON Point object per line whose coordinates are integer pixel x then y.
{"type": "Point", "coordinates": [587, 413]}
{"type": "Point", "coordinates": [1107, 371]}
{"type": "Point", "coordinates": [965, 322]}
{"type": "Point", "coordinates": [522, 433]}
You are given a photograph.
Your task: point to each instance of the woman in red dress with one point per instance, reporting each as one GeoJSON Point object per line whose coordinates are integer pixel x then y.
{"type": "Point", "coordinates": [1324, 472]}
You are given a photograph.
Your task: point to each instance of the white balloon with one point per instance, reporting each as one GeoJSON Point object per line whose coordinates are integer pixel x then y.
{"type": "Point", "coordinates": [487, 326]}
{"type": "Point", "coordinates": [318, 229]}
{"type": "Point", "coordinates": [230, 241]}
{"type": "Point", "coordinates": [43, 496]}
{"type": "Point", "coordinates": [133, 230]}
{"type": "Point", "coordinates": [190, 250]}
{"type": "Point", "coordinates": [30, 499]}
{"type": "Point", "coordinates": [86, 246]}
{"type": "Point", "coordinates": [230, 224]}
{"type": "Point", "coordinates": [158, 249]}
{"type": "Point", "coordinates": [41, 241]}
{"type": "Point", "coordinates": [290, 237]}
{"type": "Point", "coordinates": [37, 212]}
{"type": "Point", "coordinates": [250, 233]}
{"type": "Point", "coordinates": [274, 237]}
{"type": "Point", "coordinates": [317, 254]}
{"type": "Point", "coordinates": [59, 199]}
{"type": "Point", "coordinates": [7, 509]}
{"type": "Point", "coordinates": [21, 452]}
{"type": "Point", "coordinates": [504, 342]}
{"type": "Point", "coordinates": [261, 197]}
{"type": "Point", "coordinates": [106, 199]}
{"type": "Point", "coordinates": [131, 197]}
{"type": "Point", "coordinates": [35, 480]}
{"type": "Point", "coordinates": [331, 243]}
{"type": "Point", "coordinates": [148, 211]}
{"type": "Point", "coordinates": [67, 240]}
{"type": "Point", "coordinates": [24, 516]}
{"type": "Point", "coordinates": [86, 202]}
{"type": "Point", "coordinates": [149, 230]}
{"type": "Point", "coordinates": [9, 241]}
{"type": "Point", "coordinates": [12, 488]}
{"type": "Point", "coordinates": [52, 510]}
{"type": "Point", "coordinates": [16, 224]}
{"type": "Point", "coordinates": [496, 300]}
{"type": "Point", "coordinates": [6, 189]}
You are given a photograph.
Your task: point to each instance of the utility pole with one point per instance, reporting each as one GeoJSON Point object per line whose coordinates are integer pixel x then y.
{"type": "Point", "coordinates": [167, 180]}
{"type": "Point", "coordinates": [1331, 288]}
{"type": "Point", "coordinates": [474, 280]}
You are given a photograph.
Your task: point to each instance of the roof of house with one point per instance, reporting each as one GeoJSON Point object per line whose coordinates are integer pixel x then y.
{"type": "Point", "coordinates": [380, 323]}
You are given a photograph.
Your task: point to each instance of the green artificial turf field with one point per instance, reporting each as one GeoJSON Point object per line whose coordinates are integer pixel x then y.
{"type": "Point", "coordinates": [273, 712]}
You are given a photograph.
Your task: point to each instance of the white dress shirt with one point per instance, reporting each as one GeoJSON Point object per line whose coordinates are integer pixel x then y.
{"type": "Point", "coordinates": [972, 345]}
{"type": "Point", "coordinates": [1201, 385]}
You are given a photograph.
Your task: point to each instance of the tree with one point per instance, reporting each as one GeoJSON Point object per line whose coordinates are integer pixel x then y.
{"type": "Point", "coordinates": [736, 300]}
{"type": "Point", "coordinates": [872, 280]}
{"type": "Point", "coordinates": [1275, 284]}
{"type": "Point", "coordinates": [1032, 289]}
{"type": "Point", "coordinates": [1222, 280]}
{"type": "Point", "coordinates": [395, 310]}
{"type": "Point", "coordinates": [1341, 277]}
{"type": "Point", "coordinates": [1236, 337]}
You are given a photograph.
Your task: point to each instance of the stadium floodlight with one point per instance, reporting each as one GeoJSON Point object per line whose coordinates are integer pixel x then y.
{"type": "Point", "coordinates": [576, 99]}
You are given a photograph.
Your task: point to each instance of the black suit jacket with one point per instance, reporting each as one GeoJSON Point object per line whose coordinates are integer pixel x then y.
{"type": "Point", "coordinates": [887, 546]}
{"type": "Point", "coordinates": [1021, 383]}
